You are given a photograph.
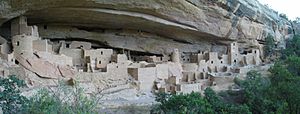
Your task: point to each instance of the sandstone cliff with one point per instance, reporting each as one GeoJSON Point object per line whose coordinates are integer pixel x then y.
{"type": "Point", "coordinates": [188, 23]}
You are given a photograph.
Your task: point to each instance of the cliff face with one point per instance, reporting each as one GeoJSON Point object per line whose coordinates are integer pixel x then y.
{"type": "Point", "coordinates": [123, 46]}
{"type": "Point", "coordinates": [190, 24]}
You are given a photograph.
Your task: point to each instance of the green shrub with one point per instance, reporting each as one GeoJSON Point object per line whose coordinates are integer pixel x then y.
{"type": "Point", "coordinates": [11, 99]}
{"type": "Point", "coordinates": [269, 46]}
{"type": "Point", "coordinates": [292, 47]}
{"type": "Point", "coordinates": [253, 90]}
{"type": "Point", "coordinates": [285, 79]}
{"type": "Point", "coordinates": [64, 100]}
{"type": "Point", "coordinates": [282, 15]}
{"type": "Point", "coordinates": [192, 103]}
{"type": "Point", "coordinates": [221, 107]}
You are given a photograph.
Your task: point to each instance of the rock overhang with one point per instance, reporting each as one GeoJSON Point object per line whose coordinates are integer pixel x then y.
{"type": "Point", "coordinates": [184, 20]}
{"type": "Point", "coordinates": [152, 16]}
{"type": "Point", "coordinates": [115, 19]}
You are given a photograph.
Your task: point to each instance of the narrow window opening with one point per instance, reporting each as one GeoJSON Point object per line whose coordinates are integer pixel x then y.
{"type": "Point", "coordinates": [67, 45]}
{"type": "Point", "coordinates": [16, 62]}
{"type": "Point", "coordinates": [45, 27]}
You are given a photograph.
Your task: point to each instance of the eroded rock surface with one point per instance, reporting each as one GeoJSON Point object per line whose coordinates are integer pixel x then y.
{"type": "Point", "coordinates": [186, 20]}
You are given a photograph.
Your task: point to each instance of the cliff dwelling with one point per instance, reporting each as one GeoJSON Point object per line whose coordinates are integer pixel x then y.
{"type": "Point", "coordinates": [51, 57]}
{"type": "Point", "coordinates": [131, 50]}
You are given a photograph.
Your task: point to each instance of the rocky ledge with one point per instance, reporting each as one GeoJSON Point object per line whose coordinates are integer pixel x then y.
{"type": "Point", "coordinates": [186, 21]}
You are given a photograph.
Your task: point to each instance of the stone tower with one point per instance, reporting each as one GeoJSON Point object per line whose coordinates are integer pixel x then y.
{"type": "Point", "coordinates": [175, 56]}
{"type": "Point", "coordinates": [19, 27]}
{"type": "Point", "coordinates": [22, 37]}
{"type": "Point", "coordinates": [233, 54]}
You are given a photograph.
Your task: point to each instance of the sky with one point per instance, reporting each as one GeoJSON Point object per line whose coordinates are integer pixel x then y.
{"type": "Point", "coordinates": [289, 7]}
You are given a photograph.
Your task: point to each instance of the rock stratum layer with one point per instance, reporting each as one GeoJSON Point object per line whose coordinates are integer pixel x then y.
{"type": "Point", "coordinates": [184, 21]}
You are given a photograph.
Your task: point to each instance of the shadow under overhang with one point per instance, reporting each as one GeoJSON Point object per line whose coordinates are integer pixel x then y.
{"type": "Point", "coordinates": [116, 19]}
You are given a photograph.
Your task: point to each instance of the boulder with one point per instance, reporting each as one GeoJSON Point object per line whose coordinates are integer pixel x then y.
{"type": "Point", "coordinates": [44, 68]}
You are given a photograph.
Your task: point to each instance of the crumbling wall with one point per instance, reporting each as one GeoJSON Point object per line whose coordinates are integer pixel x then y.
{"type": "Point", "coordinates": [56, 59]}
{"type": "Point", "coordinates": [80, 45]}
{"type": "Point", "coordinates": [19, 27]}
{"type": "Point", "coordinates": [22, 45]}
{"type": "Point", "coordinates": [145, 76]}
{"type": "Point", "coordinates": [119, 58]}
{"type": "Point", "coordinates": [188, 88]}
{"type": "Point", "coordinates": [102, 57]}
{"type": "Point", "coordinates": [41, 45]}
{"type": "Point", "coordinates": [4, 46]}
{"type": "Point", "coordinates": [76, 54]}
{"type": "Point", "coordinates": [162, 71]}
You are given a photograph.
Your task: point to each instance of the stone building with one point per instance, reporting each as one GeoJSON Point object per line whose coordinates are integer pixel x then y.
{"type": "Point", "coordinates": [176, 73]}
